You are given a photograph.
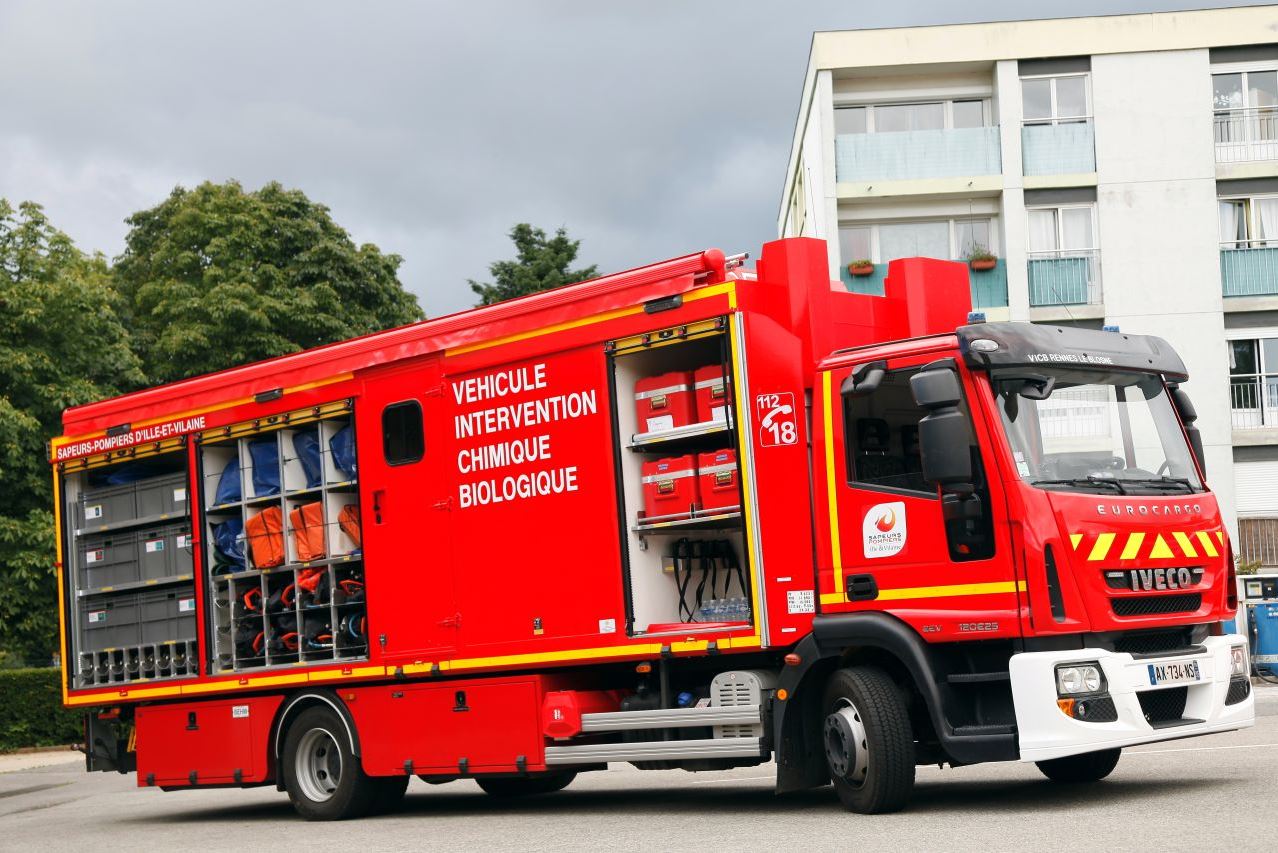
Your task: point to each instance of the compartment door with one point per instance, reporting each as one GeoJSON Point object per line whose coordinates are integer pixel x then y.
{"type": "Point", "coordinates": [402, 431]}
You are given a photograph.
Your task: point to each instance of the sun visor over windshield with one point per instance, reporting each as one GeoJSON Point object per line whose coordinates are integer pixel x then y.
{"type": "Point", "coordinates": [994, 345]}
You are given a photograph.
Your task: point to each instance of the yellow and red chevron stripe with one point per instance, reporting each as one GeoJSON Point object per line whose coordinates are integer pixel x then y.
{"type": "Point", "coordinates": [1143, 545]}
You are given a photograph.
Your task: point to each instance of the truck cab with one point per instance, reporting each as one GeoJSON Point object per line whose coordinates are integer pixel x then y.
{"type": "Point", "coordinates": [1018, 525]}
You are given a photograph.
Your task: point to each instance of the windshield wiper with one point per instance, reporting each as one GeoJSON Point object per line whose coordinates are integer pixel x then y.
{"type": "Point", "coordinates": [1178, 483]}
{"type": "Point", "coordinates": [1083, 481]}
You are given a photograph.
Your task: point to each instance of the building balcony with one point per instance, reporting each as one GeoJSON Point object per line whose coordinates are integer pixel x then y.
{"type": "Point", "coordinates": [1249, 271]}
{"type": "Point", "coordinates": [1068, 277]}
{"type": "Point", "coordinates": [917, 154]}
{"type": "Point", "coordinates": [989, 287]}
{"type": "Point", "coordinates": [1253, 402]}
{"type": "Point", "coordinates": [1068, 148]}
{"type": "Point", "coordinates": [1246, 136]}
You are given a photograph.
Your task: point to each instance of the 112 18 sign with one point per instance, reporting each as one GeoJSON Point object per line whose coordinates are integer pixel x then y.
{"type": "Point", "coordinates": [778, 421]}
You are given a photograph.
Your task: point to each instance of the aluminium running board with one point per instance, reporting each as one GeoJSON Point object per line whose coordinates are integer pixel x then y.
{"type": "Point", "coordinates": [662, 750]}
{"type": "Point", "coordinates": [671, 718]}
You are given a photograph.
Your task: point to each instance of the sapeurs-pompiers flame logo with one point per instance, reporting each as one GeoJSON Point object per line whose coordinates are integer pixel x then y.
{"type": "Point", "coordinates": [883, 529]}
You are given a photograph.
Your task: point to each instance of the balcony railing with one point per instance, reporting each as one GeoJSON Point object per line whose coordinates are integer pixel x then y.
{"type": "Point", "coordinates": [1067, 148]}
{"type": "Point", "coordinates": [1066, 277]}
{"type": "Point", "coordinates": [1258, 541]}
{"type": "Point", "coordinates": [989, 287]}
{"type": "Point", "coordinates": [1253, 401]}
{"type": "Point", "coordinates": [914, 154]}
{"type": "Point", "coordinates": [1248, 270]}
{"type": "Point", "coordinates": [1246, 135]}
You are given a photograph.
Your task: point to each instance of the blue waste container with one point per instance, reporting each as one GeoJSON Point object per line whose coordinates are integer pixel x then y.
{"type": "Point", "coordinates": [1265, 622]}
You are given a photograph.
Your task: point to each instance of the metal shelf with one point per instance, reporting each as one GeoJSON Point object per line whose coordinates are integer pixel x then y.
{"type": "Point", "coordinates": [136, 585]}
{"type": "Point", "coordinates": [727, 518]}
{"type": "Point", "coordinates": [145, 521]}
{"type": "Point", "coordinates": [662, 438]}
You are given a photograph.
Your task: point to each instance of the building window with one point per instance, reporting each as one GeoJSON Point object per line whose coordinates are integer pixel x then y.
{"type": "Point", "coordinates": [1249, 222]}
{"type": "Point", "coordinates": [898, 118]}
{"type": "Point", "coordinates": [1245, 104]}
{"type": "Point", "coordinates": [948, 239]}
{"type": "Point", "coordinates": [1253, 382]}
{"type": "Point", "coordinates": [1064, 260]}
{"type": "Point", "coordinates": [1060, 99]}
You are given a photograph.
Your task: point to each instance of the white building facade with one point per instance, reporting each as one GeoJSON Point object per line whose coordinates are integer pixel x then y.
{"type": "Point", "coordinates": [1118, 170]}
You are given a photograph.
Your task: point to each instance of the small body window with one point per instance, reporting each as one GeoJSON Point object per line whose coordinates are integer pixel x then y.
{"type": "Point", "coordinates": [403, 437]}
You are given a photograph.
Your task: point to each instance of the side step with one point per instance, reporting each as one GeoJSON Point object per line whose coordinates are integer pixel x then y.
{"type": "Point", "coordinates": [674, 750]}
{"type": "Point", "coordinates": [671, 718]}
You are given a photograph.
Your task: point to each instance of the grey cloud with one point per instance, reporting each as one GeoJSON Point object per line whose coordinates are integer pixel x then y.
{"type": "Point", "coordinates": [648, 129]}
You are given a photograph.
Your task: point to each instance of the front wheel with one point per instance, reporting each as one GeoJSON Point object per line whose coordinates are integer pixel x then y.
{"type": "Point", "coordinates": [1080, 769]}
{"type": "Point", "coordinates": [869, 745]}
{"type": "Point", "coordinates": [323, 777]}
{"type": "Point", "coordinates": [499, 786]}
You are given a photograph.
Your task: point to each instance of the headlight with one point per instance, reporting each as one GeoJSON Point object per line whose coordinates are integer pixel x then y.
{"type": "Point", "coordinates": [1079, 678]}
{"type": "Point", "coordinates": [1238, 661]}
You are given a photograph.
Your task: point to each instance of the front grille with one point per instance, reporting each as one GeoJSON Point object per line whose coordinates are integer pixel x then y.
{"type": "Point", "coordinates": [1163, 706]}
{"type": "Point", "coordinates": [1239, 689]}
{"type": "Point", "coordinates": [1158, 641]}
{"type": "Point", "coordinates": [1147, 605]}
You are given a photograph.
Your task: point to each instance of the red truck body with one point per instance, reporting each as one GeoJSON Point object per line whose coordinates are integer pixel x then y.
{"type": "Point", "coordinates": [496, 589]}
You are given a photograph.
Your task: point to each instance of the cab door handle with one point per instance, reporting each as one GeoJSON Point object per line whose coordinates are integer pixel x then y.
{"type": "Point", "coordinates": [378, 495]}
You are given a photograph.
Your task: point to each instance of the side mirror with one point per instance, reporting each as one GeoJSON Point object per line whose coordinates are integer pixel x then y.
{"type": "Point", "coordinates": [944, 435]}
{"type": "Point", "coordinates": [1188, 414]}
{"type": "Point", "coordinates": [864, 379]}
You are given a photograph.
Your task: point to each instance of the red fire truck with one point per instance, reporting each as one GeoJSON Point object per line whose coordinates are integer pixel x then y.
{"type": "Point", "coordinates": [686, 516]}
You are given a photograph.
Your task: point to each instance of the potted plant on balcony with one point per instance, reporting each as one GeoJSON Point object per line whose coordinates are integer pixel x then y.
{"type": "Point", "coordinates": [981, 259]}
{"type": "Point", "coordinates": [861, 267]}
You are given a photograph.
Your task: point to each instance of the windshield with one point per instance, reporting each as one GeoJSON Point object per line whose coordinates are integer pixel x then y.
{"type": "Point", "coordinates": [1095, 432]}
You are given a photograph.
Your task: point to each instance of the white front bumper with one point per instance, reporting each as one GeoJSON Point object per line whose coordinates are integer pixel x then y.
{"type": "Point", "coordinates": [1046, 732]}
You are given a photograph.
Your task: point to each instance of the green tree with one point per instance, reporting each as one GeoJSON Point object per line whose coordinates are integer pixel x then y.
{"type": "Point", "coordinates": [217, 276]}
{"type": "Point", "coordinates": [63, 345]}
{"type": "Point", "coordinates": [541, 263]}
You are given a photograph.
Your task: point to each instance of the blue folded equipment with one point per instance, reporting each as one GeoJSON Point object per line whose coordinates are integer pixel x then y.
{"type": "Point", "coordinates": [306, 446]}
{"type": "Point", "coordinates": [265, 454]}
{"type": "Point", "coordinates": [228, 541]}
{"type": "Point", "coordinates": [343, 446]}
{"type": "Point", "coordinates": [228, 485]}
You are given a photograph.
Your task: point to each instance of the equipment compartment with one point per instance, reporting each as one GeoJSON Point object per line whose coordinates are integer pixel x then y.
{"type": "Point", "coordinates": [128, 555]}
{"type": "Point", "coordinates": [283, 541]}
{"type": "Point", "coordinates": [685, 548]}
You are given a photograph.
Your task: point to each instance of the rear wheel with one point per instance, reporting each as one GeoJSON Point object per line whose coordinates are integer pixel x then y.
{"type": "Point", "coordinates": [323, 776]}
{"type": "Point", "coordinates": [869, 746]}
{"type": "Point", "coordinates": [1080, 769]}
{"type": "Point", "coordinates": [523, 786]}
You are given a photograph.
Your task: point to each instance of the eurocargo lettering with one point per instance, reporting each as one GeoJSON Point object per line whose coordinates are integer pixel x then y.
{"type": "Point", "coordinates": [687, 516]}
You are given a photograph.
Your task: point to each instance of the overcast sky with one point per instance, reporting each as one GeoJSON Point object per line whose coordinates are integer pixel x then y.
{"type": "Point", "coordinates": [648, 129]}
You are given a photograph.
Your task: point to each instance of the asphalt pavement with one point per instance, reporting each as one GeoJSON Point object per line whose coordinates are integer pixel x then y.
{"type": "Point", "coordinates": [1199, 794]}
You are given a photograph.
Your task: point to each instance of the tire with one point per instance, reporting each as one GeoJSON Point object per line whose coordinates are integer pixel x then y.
{"type": "Point", "coordinates": [526, 786]}
{"type": "Point", "coordinates": [1080, 769]}
{"type": "Point", "coordinates": [323, 777]}
{"type": "Point", "coordinates": [868, 742]}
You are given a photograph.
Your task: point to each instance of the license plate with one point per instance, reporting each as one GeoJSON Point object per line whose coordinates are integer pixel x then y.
{"type": "Point", "coordinates": [1177, 672]}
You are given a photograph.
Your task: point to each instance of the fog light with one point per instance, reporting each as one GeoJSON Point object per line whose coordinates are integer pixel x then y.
{"type": "Point", "coordinates": [1238, 660]}
{"type": "Point", "coordinates": [1079, 678]}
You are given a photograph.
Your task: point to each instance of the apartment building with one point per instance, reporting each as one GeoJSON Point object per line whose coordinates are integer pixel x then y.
{"type": "Point", "coordinates": [1118, 170]}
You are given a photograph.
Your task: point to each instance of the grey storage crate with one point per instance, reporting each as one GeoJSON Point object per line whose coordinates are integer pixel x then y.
{"type": "Point", "coordinates": [167, 615]}
{"type": "Point", "coordinates": [109, 559]}
{"type": "Point", "coordinates": [164, 495]}
{"type": "Point", "coordinates": [110, 505]}
{"type": "Point", "coordinates": [181, 561]}
{"type": "Point", "coordinates": [109, 622]}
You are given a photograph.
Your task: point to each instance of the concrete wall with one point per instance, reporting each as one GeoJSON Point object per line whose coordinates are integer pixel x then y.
{"type": "Point", "coordinates": [1158, 232]}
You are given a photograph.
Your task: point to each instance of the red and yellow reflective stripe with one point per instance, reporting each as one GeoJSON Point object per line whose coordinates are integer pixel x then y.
{"type": "Point", "coordinates": [1110, 545]}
